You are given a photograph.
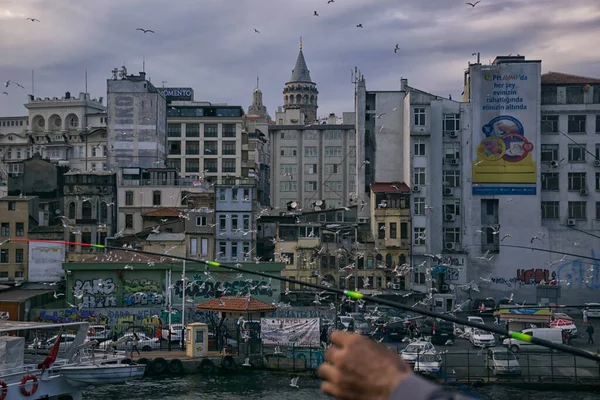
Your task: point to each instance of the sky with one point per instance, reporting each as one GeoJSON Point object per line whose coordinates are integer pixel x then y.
{"type": "Point", "coordinates": [211, 45]}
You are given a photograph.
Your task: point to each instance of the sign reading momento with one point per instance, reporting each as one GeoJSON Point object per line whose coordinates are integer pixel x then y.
{"type": "Point", "coordinates": [177, 94]}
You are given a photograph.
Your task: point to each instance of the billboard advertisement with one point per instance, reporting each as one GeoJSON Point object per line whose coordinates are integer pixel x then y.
{"type": "Point", "coordinates": [505, 130]}
{"type": "Point", "coordinates": [290, 331]}
{"type": "Point", "coordinates": [45, 262]}
{"type": "Point", "coordinates": [177, 94]}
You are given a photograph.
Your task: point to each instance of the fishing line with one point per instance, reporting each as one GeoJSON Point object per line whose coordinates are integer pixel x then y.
{"type": "Point", "coordinates": [352, 295]}
{"type": "Point", "coordinates": [581, 231]}
{"type": "Point", "coordinates": [514, 246]}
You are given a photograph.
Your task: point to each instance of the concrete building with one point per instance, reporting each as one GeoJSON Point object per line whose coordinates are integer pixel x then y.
{"type": "Point", "coordinates": [90, 209]}
{"type": "Point", "coordinates": [200, 227]}
{"type": "Point", "coordinates": [204, 141]}
{"type": "Point", "coordinates": [300, 92]}
{"type": "Point", "coordinates": [136, 129]}
{"type": "Point", "coordinates": [235, 234]}
{"type": "Point", "coordinates": [17, 215]}
{"type": "Point", "coordinates": [312, 165]}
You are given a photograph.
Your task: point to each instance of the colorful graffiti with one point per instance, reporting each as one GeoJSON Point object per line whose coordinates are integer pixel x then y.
{"type": "Point", "coordinates": [536, 276]}
{"type": "Point", "coordinates": [112, 316]}
{"type": "Point", "coordinates": [97, 293]}
{"type": "Point", "coordinates": [142, 292]}
{"type": "Point", "coordinates": [200, 288]}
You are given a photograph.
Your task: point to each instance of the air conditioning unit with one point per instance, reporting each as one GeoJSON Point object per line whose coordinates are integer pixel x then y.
{"type": "Point", "coordinates": [596, 163]}
{"type": "Point", "coordinates": [363, 220]}
{"type": "Point", "coordinates": [416, 189]}
{"type": "Point", "coordinates": [570, 222]}
{"type": "Point", "coordinates": [453, 134]}
{"type": "Point", "coordinates": [583, 192]}
{"type": "Point", "coordinates": [448, 192]}
{"type": "Point", "coordinates": [450, 246]}
{"type": "Point", "coordinates": [554, 164]}
{"type": "Point", "coordinates": [454, 162]}
{"type": "Point", "coordinates": [450, 217]}
{"type": "Point", "coordinates": [396, 286]}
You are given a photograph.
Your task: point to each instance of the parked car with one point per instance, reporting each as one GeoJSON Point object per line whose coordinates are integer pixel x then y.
{"type": "Point", "coordinates": [125, 342]}
{"type": "Point", "coordinates": [481, 338]}
{"type": "Point", "coordinates": [593, 310]}
{"type": "Point", "coordinates": [565, 325]}
{"type": "Point", "coordinates": [99, 333]}
{"type": "Point", "coordinates": [411, 352]}
{"type": "Point", "coordinates": [439, 330]}
{"type": "Point", "coordinates": [550, 334]}
{"type": "Point", "coordinates": [344, 322]}
{"type": "Point", "coordinates": [429, 362]}
{"type": "Point", "coordinates": [502, 361]}
{"type": "Point", "coordinates": [394, 331]}
{"type": "Point", "coordinates": [469, 329]}
{"type": "Point", "coordinates": [66, 341]}
{"type": "Point", "coordinates": [175, 330]}
{"type": "Point", "coordinates": [362, 327]}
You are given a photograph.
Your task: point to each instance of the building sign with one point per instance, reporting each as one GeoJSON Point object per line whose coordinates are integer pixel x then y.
{"type": "Point", "coordinates": [177, 94]}
{"type": "Point", "coordinates": [45, 262]}
{"type": "Point", "coordinates": [505, 128]}
{"type": "Point", "coordinates": [300, 332]}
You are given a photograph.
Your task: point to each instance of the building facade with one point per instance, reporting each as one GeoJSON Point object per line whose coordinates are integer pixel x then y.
{"type": "Point", "coordinates": [300, 92]}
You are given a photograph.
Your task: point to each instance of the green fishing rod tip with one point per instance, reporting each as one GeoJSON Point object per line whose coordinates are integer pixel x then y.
{"type": "Point", "coordinates": [353, 295]}
{"type": "Point", "coordinates": [521, 336]}
{"type": "Point", "coordinates": [98, 246]}
{"type": "Point", "coordinates": [213, 263]}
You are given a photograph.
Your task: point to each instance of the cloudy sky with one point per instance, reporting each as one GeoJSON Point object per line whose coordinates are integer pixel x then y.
{"type": "Point", "coordinates": [211, 45]}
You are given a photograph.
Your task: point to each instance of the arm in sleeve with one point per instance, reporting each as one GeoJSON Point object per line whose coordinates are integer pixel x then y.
{"type": "Point", "coordinates": [416, 388]}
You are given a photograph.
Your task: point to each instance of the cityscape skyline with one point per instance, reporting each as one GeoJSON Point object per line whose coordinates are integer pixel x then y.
{"type": "Point", "coordinates": [229, 72]}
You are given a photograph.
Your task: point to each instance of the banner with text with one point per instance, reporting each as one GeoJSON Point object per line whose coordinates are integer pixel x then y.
{"type": "Point", "coordinates": [290, 331]}
{"type": "Point", "coordinates": [505, 112]}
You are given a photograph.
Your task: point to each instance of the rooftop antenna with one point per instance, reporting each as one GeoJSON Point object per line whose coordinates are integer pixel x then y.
{"type": "Point", "coordinates": [257, 80]}
{"type": "Point", "coordinates": [300, 42]}
{"type": "Point", "coordinates": [478, 57]}
{"type": "Point", "coordinates": [163, 83]}
{"type": "Point", "coordinates": [32, 83]}
{"type": "Point", "coordinates": [86, 82]}
{"type": "Point", "coordinates": [143, 63]}
{"type": "Point", "coordinates": [355, 77]}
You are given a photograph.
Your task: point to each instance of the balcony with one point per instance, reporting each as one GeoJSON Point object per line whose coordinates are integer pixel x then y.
{"type": "Point", "coordinates": [382, 213]}
{"type": "Point", "coordinates": [397, 243]}
{"type": "Point", "coordinates": [307, 243]}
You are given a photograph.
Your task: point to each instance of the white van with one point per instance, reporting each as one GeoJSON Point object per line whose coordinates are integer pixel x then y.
{"type": "Point", "coordinates": [469, 329]}
{"type": "Point", "coordinates": [549, 334]}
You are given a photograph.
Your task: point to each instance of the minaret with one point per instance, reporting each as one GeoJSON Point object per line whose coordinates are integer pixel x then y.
{"type": "Point", "coordinates": [257, 107]}
{"type": "Point", "coordinates": [301, 92]}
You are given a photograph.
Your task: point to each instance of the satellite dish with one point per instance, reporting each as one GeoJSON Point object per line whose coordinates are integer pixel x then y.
{"type": "Point", "coordinates": [57, 211]}
{"type": "Point", "coordinates": [318, 203]}
{"type": "Point", "coordinates": [317, 208]}
{"type": "Point", "coordinates": [451, 287]}
{"type": "Point", "coordinates": [294, 205]}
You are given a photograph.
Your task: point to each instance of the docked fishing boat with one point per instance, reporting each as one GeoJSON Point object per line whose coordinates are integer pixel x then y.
{"type": "Point", "coordinates": [20, 380]}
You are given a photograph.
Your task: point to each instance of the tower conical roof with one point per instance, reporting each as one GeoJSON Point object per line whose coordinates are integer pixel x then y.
{"type": "Point", "coordinates": [300, 73]}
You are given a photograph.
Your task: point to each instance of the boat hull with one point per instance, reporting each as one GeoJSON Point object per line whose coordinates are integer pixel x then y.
{"type": "Point", "coordinates": [81, 376]}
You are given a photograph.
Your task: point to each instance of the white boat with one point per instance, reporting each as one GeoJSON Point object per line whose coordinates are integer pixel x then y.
{"type": "Point", "coordinates": [20, 380]}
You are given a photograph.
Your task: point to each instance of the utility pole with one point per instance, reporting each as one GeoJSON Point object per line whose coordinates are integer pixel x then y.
{"type": "Point", "coordinates": [183, 285]}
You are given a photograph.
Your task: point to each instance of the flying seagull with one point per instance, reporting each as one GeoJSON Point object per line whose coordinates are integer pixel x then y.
{"type": "Point", "coordinates": [256, 30]}
{"type": "Point", "coordinates": [396, 48]}
{"type": "Point", "coordinates": [330, 1]}
{"type": "Point", "coordinates": [316, 14]}
{"type": "Point", "coordinates": [5, 93]}
{"type": "Point", "coordinates": [8, 83]}
{"type": "Point", "coordinates": [145, 30]}
{"type": "Point", "coordinates": [33, 19]}
{"type": "Point", "coordinates": [359, 26]}
{"type": "Point", "coordinates": [474, 4]}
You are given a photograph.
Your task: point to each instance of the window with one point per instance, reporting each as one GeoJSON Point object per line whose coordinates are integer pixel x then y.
{"type": "Point", "coordinates": [419, 176]}
{"type": "Point", "coordinates": [310, 169]}
{"type": "Point", "coordinates": [246, 195]}
{"type": "Point", "coordinates": [451, 178]}
{"type": "Point", "coordinates": [18, 256]}
{"type": "Point", "coordinates": [174, 130]}
{"type": "Point", "coordinates": [235, 194]}
{"type": "Point", "coordinates": [203, 246]}
{"type": "Point", "coordinates": [221, 194]}
{"type": "Point", "coordinates": [192, 147]}
{"type": "Point", "coordinates": [129, 221]}
{"type": "Point", "coordinates": [452, 206]}
{"type": "Point", "coordinates": [174, 148]}
{"type": "Point", "coordinates": [246, 223]}
{"type": "Point", "coordinates": [549, 124]}
{"type": "Point", "coordinates": [192, 165]}
{"type": "Point", "coordinates": [331, 169]}
{"type": "Point", "coordinates": [451, 150]}
{"type": "Point", "coordinates": [549, 95]}
{"type": "Point", "coordinates": [310, 186]}
{"type": "Point", "coordinates": [598, 116]}
{"type": "Point", "coordinates": [210, 165]}
{"type": "Point", "coordinates": [288, 186]}
{"type": "Point", "coordinates": [212, 148]}
{"type": "Point", "coordinates": [333, 135]}
{"type": "Point", "coordinates": [598, 210]}
{"type": "Point", "coordinates": [234, 222]}
{"type": "Point", "coordinates": [211, 130]}
{"type": "Point", "coordinates": [229, 148]}
{"type": "Point", "coordinates": [333, 186]}
{"type": "Point", "coordinates": [549, 153]}
{"type": "Point", "coordinates": [291, 169]}
{"type": "Point", "coordinates": [577, 180]}
{"type": "Point", "coordinates": [550, 210]}
{"type": "Point", "coordinates": [5, 230]}
{"type": "Point", "coordinates": [577, 124]}
{"type": "Point", "coordinates": [192, 130]}
{"type": "Point", "coordinates": [222, 223]}
{"type": "Point", "coordinates": [288, 135]}
{"type": "Point", "coordinates": [419, 116]}
{"type": "Point", "coordinates": [193, 246]}
{"type": "Point", "coordinates": [393, 230]}
{"type": "Point", "coordinates": [222, 249]}
{"type": "Point", "coordinates": [451, 122]}
{"type": "Point", "coordinates": [228, 165]}
{"type": "Point", "coordinates": [550, 181]}
{"type": "Point", "coordinates": [19, 229]}
{"type": "Point", "coordinates": [86, 210]}
{"type": "Point", "coordinates": [4, 256]}
{"type": "Point", "coordinates": [598, 181]}
{"type": "Point", "coordinates": [574, 95]}
{"type": "Point", "coordinates": [451, 235]}
{"type": "Point", "coordinates": [12, 205]}
{"type": "Point", "coordinates": [577, 153]}
{"type": "Point", "coordinates": [156, 197]}
{"type": "Point", "coordinates": [201, 220]}
{"type": "Point", "coordinates": [229, 130]}
{"type": "Point", "coordinates": [577, 210]}
{"type": "Point", "coordinates": [234, 250]}
{"type": "Point", "coordinates": [403, 230]}
{"type": "Point", "coordinates": [311, 151]}
{"type": "Point", "coordinates": [419, 147]}
{"type": "Point", "coordinates": [288, 151]}
{"type": "Point", "coordinates": [419, 205]}
{"type": "Point", "coordinates": [419, 236]}
{"type": "Point", "coordinates": [175, 164]}
{"type": "Point", "coordinates": [333, 151]}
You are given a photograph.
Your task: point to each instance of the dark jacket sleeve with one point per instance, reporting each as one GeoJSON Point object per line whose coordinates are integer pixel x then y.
{"type": "Point", "coordinates": [416, 388]}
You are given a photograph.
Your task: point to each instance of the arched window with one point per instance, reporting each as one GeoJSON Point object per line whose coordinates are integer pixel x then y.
{"type": "Point", "coordinates": [103, 212]}
{"type": "Point", "coordinates": [402, 259]}
{"type": "Point", "coordinates": [72, 210]}
{"type": "Point", "coordinates": [86, 210]}
{"type": "Point", "coordinates": [379, 258]}
{"type": "Point", "coordinates": [388, 260]}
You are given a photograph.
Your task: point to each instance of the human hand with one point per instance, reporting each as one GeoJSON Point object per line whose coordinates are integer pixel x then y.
{"type": "Point", "coordinates": [358, 368]}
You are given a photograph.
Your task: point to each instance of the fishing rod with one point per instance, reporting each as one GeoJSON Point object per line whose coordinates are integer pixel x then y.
{"type": "Point", "coordinates": [352, 295]}
{"type": "Point", "coordinates": [514, 246]}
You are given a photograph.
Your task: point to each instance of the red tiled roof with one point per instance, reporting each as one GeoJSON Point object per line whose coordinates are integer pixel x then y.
{"type": "Point", "coordinates": [557, 78]}
{"type": "Point", "coordinates": [163, 212]}
{"type": "Point", "coordinates": [389, 187]}
{"type": "Point", "coordinates": [236, 304]}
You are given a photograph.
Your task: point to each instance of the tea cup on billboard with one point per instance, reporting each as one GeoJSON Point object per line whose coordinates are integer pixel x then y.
{"type": "Point", "coordinates": [516, 149]}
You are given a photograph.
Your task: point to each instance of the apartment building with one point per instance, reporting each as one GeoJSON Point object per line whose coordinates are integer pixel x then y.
{"type": "Point", "coordinates": [312, 165]}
